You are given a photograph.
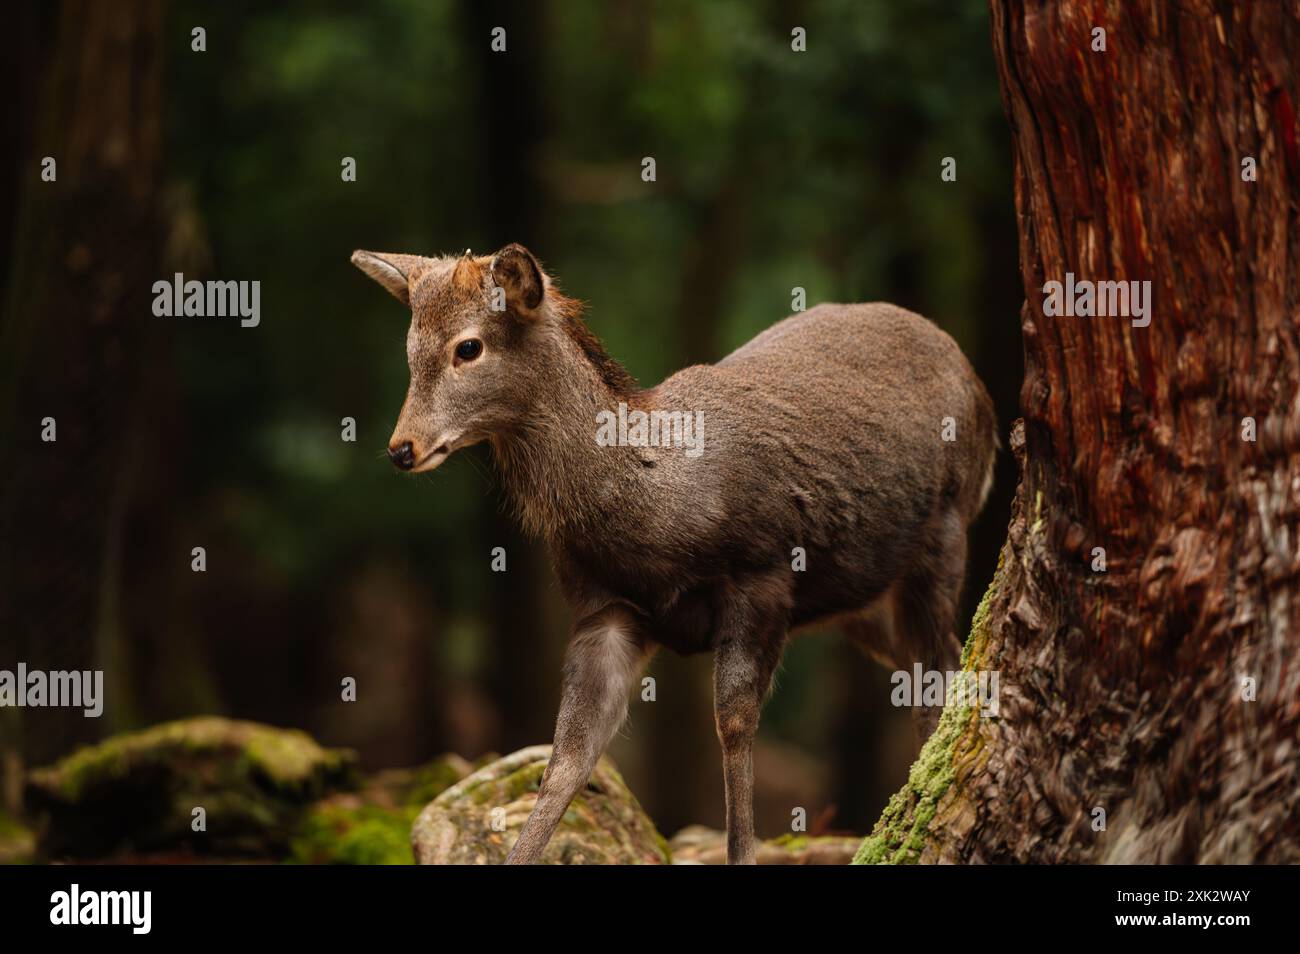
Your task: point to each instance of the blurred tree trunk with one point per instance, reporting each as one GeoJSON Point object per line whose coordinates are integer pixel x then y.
{"type": "Point", "coordinates": [679, 728]}
{"type": "Point", "coordinates": [1164, 690]}
{"type": "Point", "coordinates": [511, 100]}
{"type": "Point", "coordinates": [75, 342]}
{"type": "Point", "coordinates": [21, 68]}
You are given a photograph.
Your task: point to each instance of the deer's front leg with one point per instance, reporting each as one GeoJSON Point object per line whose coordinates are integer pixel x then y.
{"type": "Point", "coordinates": [602, 661]}
{"type": "Point", "coordinates": [750, 641]}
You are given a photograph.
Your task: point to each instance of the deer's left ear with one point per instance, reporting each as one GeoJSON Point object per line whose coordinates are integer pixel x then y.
{"type": "Point", "coordinates": [517, 273]}
{"type": "Point", "coordinates": [394, 271]}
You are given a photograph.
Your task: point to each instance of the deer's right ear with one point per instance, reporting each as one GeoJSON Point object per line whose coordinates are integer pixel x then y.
{"type": "Point", "coordinates": [395, 272]}
{"type": "Point", "coordinates": [517, 273]}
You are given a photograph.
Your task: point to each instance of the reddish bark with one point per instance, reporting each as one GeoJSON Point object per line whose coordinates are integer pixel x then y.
{"type": "Point", "coordinates": [1125, 690]}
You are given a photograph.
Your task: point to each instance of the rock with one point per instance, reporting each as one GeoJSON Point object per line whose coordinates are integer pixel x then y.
{"type": "Point", "coordinates": [336, 832]}
{"type": "Point", "coordinates": [604, 825]}
{"type": "Point", "coordinates": [697, 845]}
{"type": "Point", "coordinates": [415, 787]}
{"type": "Point", "coordinates": [17, 844]}
{"type": "Point", "coordinates": [136, 793]}
{"type": "Point", "coordinates": [373, 826]}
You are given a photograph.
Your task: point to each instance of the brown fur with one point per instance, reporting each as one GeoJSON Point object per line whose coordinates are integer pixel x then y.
{"type": "Point", "coordinates": [821, 433]}
{"type": "Point", "coordinates": [614, 375]}
{"type": "Point", "coordinates": [467, 276]}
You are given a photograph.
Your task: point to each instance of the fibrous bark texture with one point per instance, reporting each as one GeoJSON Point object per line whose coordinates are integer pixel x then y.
{"type": "Point", "coordinates": [1150, 711]}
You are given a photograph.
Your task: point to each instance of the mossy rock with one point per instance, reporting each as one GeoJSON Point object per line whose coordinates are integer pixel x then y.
{"type": "Point", "coordinates": [373, 826]}
{"type": "Point", "coordinates": [137, 792]}
{"type": "Point", "coordinates": [338, 833]}
{"type": "Point", "coordinates": [416, 787]}
{"type": "Point", "coordinates": [17, 844]}
{"type": "Point", "coordinates": [478, 820]}
{"type": "Point", "coordinates": [697, 845]}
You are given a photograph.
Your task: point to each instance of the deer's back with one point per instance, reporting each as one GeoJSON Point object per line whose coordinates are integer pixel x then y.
{"type": "Point", "coordinates": [848, 404]}
{"type": "Point", "coordinates": [824, 433]}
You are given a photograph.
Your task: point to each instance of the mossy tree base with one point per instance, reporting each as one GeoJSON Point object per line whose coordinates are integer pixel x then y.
{"type": "Point", "coordinates": [1145, 620]}
{"type": "Point", "coordinates": [901, 836]}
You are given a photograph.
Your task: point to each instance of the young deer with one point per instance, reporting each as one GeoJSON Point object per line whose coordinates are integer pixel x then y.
{"type": "Point", "coordinates": [826, 433]}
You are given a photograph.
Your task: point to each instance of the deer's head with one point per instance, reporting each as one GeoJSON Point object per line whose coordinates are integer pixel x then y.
{"type": "Point", "coordinates": [474, 348]}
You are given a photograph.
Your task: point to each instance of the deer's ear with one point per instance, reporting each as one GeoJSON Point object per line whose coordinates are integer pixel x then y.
{"type": "Point", "coordinates": [394, 271]}
{"type": "Point", "coordinates": [517, 273]}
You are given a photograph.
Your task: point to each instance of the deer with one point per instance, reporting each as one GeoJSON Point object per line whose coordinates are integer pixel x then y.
{"type": "Point", "coordinates": [843, 454]}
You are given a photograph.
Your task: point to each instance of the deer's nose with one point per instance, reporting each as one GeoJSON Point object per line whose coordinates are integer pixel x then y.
{"type": "Point", "coordinates": [402, 456]}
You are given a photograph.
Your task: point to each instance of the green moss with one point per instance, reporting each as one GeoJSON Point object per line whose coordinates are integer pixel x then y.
{"type": "Point", "coordinates": [979, 626]}
{"type": "Point", "coordinates": [791, 841]}
{"type": "Point", "coordinates": [373, 825]}
{"type": "Point", "coordinates": [17, 843]}
{"type": "Point", "coordinates": [88, 768]}
{"type": "Point", "coordinates": [430, 781]}
{"type": "Point", "coordinates": [796, 843]}
{"type": "Point", "coordinates": [582, 814]}
{"type": "Point", "coordinates": [661, 843]}
{"type": "Point", "coordinates": [899, 836]}
{"type": "Point", "coordinates": [9, 825]}
{"type": "Point", "coordinates": [603, 824]}
{"type": "Point", "coordinates": [364, 835]}
{"type": "Point", "coordinates": [513, 786]}
{"type": "Point", "coordinates": [288, 759]}
{"type": "Point", "coordinates": [253, 781]}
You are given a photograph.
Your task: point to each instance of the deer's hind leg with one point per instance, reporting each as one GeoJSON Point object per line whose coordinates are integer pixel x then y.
{"type": "Point", "coordinates": [913, 621]}
{"type": "Point", "coordinates": [927, 599]}
{"type": "Point", "coordinates": [875, 631]}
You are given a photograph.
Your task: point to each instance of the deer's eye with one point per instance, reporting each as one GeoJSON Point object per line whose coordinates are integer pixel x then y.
{"type": "Point", "coordinates": [469, 349]}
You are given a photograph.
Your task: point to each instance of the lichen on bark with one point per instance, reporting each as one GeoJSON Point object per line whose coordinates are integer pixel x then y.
{"type": "Point", "coordinates": [900, 835]}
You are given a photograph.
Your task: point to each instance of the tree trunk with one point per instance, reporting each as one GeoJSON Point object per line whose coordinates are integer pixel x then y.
{"type": "Point", "coordinates": [510, 92]}
{"type": "Point", "coordinates": [1162, 691]}
{"type": "Point", "coordinates": [75, 346]}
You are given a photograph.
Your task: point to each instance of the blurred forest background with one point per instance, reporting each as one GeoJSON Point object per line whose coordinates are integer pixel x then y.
{"type": "Point", "coordinates": [776, 169]}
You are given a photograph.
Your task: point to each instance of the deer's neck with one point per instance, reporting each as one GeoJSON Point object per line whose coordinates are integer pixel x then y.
{"type": "Point", "coordinates": [563, 483]}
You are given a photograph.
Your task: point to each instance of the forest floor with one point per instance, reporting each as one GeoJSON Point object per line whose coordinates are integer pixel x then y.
{"type": "Point", "coordinates": [212, 790]}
